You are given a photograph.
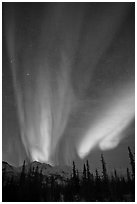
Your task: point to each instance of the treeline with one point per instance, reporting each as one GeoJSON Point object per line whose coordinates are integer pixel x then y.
{"type": "Point", "coordinates": [34, 186]}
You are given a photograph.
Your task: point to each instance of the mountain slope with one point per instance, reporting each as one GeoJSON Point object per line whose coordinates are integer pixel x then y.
{"type": "Point", "coordinates": [60, 173]}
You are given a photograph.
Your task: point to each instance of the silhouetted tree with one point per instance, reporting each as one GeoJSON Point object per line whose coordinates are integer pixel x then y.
{"type": "Point", "coordinates": [84, 173]}
{"type": "Point", "coordinates": [104, 170]}
{"type": "Point", "coordinates": [97, 177]}
{"type": "Point", "coordinates": [32, 185]}
{"type": "Point", "coordinates": [22, 176]}
{"type": "Point", "coordinates": [128, 175]}
{"type": "Point", "coordinates": [77, 172]}
{"type": "Point", "coordinates": [105, 181]}
{"type": "Point", "coordinates": [88, 171]}
{"type": "Point", "coordinates": [115, 173]}
{"type": "Point", "coordinates": [132, 162]}
{"type": "Point", "coordinates": [74, 170]}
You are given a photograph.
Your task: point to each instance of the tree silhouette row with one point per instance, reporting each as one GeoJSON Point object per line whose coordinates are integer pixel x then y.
{"type": "Point", "coordinates": [88, 186]}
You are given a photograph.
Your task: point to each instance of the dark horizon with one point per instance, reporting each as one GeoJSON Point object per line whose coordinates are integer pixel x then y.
{"type": "Point", "coordinates": [37, 182]}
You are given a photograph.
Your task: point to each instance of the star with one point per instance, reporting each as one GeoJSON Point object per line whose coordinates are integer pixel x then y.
{"type": "Point", "coordinates": [12, 60]}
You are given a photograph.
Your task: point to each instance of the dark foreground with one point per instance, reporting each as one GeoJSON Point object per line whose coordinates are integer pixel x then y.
{"type": "Point", "coordinates": [33, 185]}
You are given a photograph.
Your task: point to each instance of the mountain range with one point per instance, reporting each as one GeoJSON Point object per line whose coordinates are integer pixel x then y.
{"type": "Point", "coordinates": [60, 173]}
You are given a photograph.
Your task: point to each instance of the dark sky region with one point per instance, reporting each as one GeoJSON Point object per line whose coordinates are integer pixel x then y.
{"type": "Point", "coordinates": [68, 83]}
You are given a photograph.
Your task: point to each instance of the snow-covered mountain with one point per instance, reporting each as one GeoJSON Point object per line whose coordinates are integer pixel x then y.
{"type": "Point", "coordinates": [60, 173]}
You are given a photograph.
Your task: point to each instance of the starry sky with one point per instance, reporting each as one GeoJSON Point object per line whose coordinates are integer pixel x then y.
{"type": "Point", "coordinates": [65, 66]}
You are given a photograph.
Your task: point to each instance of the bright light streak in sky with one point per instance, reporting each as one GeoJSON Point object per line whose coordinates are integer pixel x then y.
{"type": "Point", "coordinates": [107, 130]}
{"type": "Point", "coordinates": [73, 79]}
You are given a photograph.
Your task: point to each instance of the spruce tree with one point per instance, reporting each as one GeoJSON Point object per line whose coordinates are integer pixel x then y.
{"type": "Point", "coordinates": [84, 173]}
{"type": "Point", "coordinates": [74, 170]}
{"type": "Point", "coordinates": [132, 162]}
{"type": "Point", "coordinates": [128, 175]}
{"type": "Point", "coordinates": [116, 176]}
{"type": "Point", "coordinates": [22, 177]}
{"type": "Point", "coordinates": [104, 170]}
{"type": "Point", "coordinates": [97, 178]}
{"type": "Point", "coordinates": [88, 171]}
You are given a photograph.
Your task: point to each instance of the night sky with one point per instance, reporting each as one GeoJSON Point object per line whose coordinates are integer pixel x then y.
{"type": "Point", "coordinates": [68, 83]}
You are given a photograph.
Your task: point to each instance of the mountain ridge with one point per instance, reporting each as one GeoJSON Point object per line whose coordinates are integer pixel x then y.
{"type": "Point", "coordinates": [60, 173]}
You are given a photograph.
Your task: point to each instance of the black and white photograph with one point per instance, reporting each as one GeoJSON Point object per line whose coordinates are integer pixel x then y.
{"type": "Point", "coordinates": [68, 101]}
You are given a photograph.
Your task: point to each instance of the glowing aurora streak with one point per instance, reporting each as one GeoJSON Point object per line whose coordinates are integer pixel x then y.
{"type": "Point", "coordinates": [106, 131]}
{"type": "Point", "coordinates": [46, 97]}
